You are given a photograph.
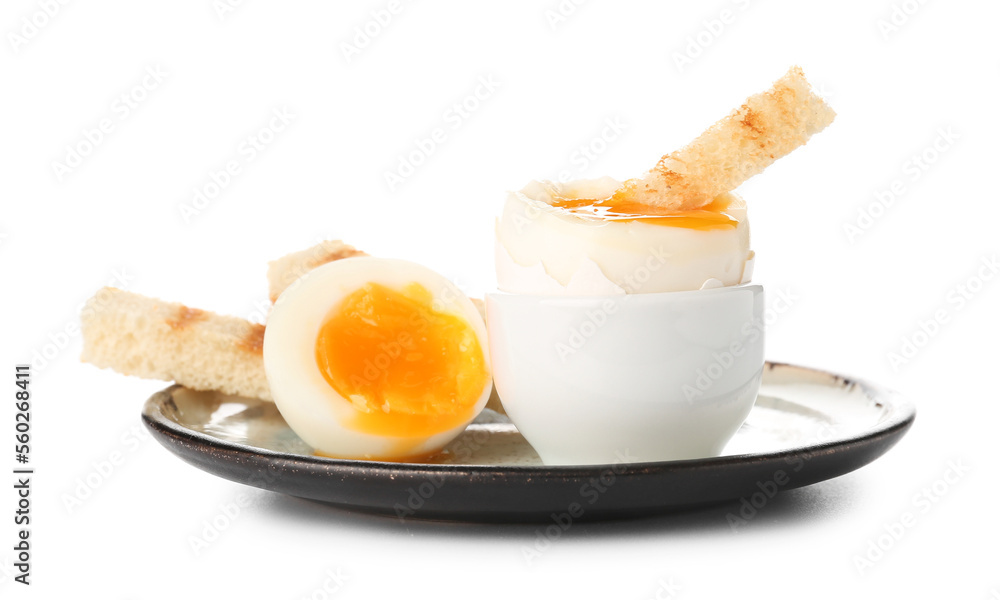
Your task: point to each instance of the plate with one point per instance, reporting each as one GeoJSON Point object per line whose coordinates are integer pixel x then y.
{"type": "Point", "coordinates": [807, 426]}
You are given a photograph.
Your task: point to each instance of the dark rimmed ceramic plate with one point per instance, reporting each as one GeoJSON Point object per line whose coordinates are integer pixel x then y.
{"type": "Point", "coordinates": [807, 426]}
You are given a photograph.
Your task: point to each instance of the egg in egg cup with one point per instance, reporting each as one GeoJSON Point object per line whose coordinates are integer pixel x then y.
{"type": "Point", "coordinates": [625, 326]}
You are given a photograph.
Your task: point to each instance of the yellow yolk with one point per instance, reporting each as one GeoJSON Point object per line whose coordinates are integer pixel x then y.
{"type": "Point", "coordinates": [711, 216]}
{"type": "Point", "coordinates": [408, 369]}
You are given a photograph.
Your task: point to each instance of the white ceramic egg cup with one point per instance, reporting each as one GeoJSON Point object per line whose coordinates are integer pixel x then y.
{"type": "Point", "coordinates": [628, 378]}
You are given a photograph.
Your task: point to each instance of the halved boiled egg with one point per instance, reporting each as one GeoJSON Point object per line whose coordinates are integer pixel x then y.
{"type": "Point", "coordinates": [376, 358]}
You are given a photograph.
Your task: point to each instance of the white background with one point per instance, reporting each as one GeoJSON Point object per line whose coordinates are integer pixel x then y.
{"type": "Point", "coordinates": [857, 297]}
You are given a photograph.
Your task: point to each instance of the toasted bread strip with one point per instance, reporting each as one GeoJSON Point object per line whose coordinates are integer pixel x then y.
{"type": "Point", "coordinates": [768, 126]}
{"type": "Point", "coordinates": [284, 271]}
{"type": "Point", "coordinates": [141, 336]}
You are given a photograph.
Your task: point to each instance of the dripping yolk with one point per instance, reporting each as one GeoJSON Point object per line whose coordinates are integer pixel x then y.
{"type": "Point", "coordinates": [408, 369]}
{"type": "Point", "coordinates": [709, 217]}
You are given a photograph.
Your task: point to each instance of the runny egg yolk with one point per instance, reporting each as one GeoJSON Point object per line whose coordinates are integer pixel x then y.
{"type": "Point", "coordinates": [410, 370]}
{"type": "Point", "coordinates": [709, 217]}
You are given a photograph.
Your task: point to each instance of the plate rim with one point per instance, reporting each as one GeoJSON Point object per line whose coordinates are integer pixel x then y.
{"type": "Point", "coordinates": [899, 417]}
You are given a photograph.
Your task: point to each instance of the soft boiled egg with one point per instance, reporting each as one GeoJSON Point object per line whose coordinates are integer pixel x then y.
{"type": "Point", "coordinates": [376, 358]}
{"type": "Point", "coordinates": [572, 238]}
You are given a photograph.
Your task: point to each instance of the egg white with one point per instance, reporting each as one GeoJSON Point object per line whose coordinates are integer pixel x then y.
{"type": "Point", "coordinates": [313, 409]}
